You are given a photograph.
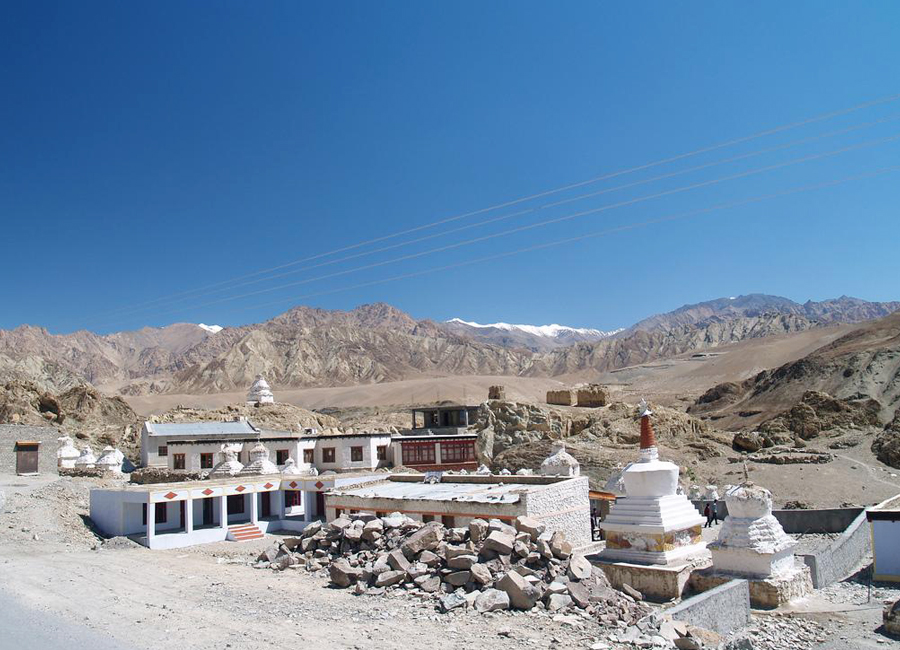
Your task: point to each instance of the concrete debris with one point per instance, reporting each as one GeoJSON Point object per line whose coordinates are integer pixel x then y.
{"type": "Point", "coordinates": [479, 569]}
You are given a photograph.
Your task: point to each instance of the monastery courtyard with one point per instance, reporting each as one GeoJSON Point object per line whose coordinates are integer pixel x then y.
{"type": "Point", "coordinates": [121, 595]}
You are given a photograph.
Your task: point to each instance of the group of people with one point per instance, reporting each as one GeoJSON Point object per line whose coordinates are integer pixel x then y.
{"type": "Point", "coordinates": [711, 513]}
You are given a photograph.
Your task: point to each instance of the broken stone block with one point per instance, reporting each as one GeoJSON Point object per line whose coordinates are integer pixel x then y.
{"type": "Point", "coordinates": [268, 555]}
{"type": "Point", "coordinates": [478, 529]}
{"type": "Point", "coordinates": [397, 560]}
{"type": "Point", "coordinates": [499, 542]}
{"type": "Point", "coordinates": [426, 538]}
{"type": "Point", "coordinates": [389, 578]}
{"type": "Point", "coordinates": [530, 525]}
{"type": "Point", "coordinates": [458, 579]}
{"type": "Point", "coordinates": [579, 567]}
{"type": "Point", "coordinates": [452, 601]}
{"type": "Point", "coordinates": [557, 602]}
{"type": "Point", "coordinates": [491, 600]}
{"type": "Point", "coordinates": [520, 549]}
{"type": "Point", "coordinates": [579, 594]}
{"type": "Point", "coordinates": [428, 558]}
{"type": "Point", "coordinates": [373, 530]}
{"type": "Point", "coordinates": [560, 546]}
{"type": "Point", "coordinates": [428, 584]}
{"type": "Point", "coordinates": [522, 595]}
{"type": "Point", "coordinates": [342, 574]}
{"type": "Point", "coordinates": [462, 561]}
{"type": "Point", "coordinates": [495, 525]}
{"type": "Point", "coordinates": [416, 569]}
{"type": "Point", "coordinates": [558, 588]}
{"type": "Point", "coordinates": [381, 565]}
{"type": "Point", "coordinates": [481, 574]}
{"type": "Point", "coordinates": [353, 534]}
{"type": "Point", "coordinates": [631, 591]}
{"type": "Point", "coordinates": [891, 617]}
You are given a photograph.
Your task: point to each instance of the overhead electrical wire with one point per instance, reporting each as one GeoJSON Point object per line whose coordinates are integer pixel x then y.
{"type": "Point", "coordinates": [468, 242]}
{"type": "Point", "coordinates": [563, 188]}
{"type": "Point", "coordinates": [504, 217]}
{"type": "Point", "coordinates": [600, 233]}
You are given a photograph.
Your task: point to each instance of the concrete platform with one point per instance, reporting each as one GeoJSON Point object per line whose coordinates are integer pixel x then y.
{"type": "Point", "coordinates": [657, 583]}
{"type": "Point", "coordinates": [767, 593]}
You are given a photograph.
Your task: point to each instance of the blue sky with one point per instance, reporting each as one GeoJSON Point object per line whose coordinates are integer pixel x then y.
{"type": "Point", "coordinates": [149, 149]}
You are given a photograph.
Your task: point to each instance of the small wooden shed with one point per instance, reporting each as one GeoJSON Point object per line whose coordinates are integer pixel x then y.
{"type": "Point", "coordinates": [27, 457]}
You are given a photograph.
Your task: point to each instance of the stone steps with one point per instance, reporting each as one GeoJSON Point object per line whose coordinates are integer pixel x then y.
{"type": "Point", "coordinates": [244, 533]}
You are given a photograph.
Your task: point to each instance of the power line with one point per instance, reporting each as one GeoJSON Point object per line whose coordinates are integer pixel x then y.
{"type": "Point", "coordinates": [569, 217]}
{"type": "Point", "coordinates": [656, 163]}
{"type": "Point", "coordinates": [504, 217]}
{"type": "Point", "coordinates": [569, 240]}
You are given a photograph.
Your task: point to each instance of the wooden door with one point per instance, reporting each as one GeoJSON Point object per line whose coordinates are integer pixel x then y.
{"type": "Point", "coordinates": [207, 512]}
{"type": "Point", "coordinates": [26, 458]}
{"type": "Point", "coordinates": [266, 504]}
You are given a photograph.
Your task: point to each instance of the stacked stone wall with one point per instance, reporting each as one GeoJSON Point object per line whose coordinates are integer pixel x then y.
{"type": "Point", "coordinates": [591, 397]}
{"type": "Point", "coordinates": [564, 506]}
{"type": "Point", "coordinates": [561, 397]}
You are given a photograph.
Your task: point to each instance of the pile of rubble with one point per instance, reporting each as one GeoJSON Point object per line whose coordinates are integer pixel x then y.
{"type": "Point", "coordinates": [489, 566]}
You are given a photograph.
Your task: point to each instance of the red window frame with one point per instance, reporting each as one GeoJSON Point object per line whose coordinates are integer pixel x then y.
{"type": "Point", "coordinates": [457, 451]}
{"type": "Point", "coordinates": [293, 498]}
{"type": "Point", "coordinates": [177, 461]}
{"type": "Point", "coordinates": [328, 454]}
{"type": "Point", "coordinates": [356, 454]}
{"type": "Point", "coordinates": [418, 453]}
{"type": "Point", "coordinates": [206, 460]}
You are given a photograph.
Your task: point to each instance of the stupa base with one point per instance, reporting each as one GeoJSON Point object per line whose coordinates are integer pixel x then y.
{"type": "Point", "coordinates": [765, 593]}
{"type": "Point", "coordinates": [658, 584]}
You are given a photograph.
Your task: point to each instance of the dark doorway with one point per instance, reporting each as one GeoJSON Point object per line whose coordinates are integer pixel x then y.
{"type": "Point", "coordinates": [207, 512]}
{"type": "Point", "coordinates": [181, 512]}
{"type": "Point", "coordinates": [320, 505]}
{"type": "Point", "coordinates": [266, 504]}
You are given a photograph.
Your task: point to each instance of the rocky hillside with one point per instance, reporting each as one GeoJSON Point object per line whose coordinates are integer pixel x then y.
{"type": "Point", "coordinates": [826, 312]}
{"type": "Point", "coordinates": [863, 364]}
{"type": "Point", "coordinates": [378, 343]}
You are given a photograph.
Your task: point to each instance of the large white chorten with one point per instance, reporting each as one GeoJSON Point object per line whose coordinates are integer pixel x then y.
{"type": "Point", "coordinates": [259, 462]}
{"type": "Point", "coordinates": [229, 466]}
{"type": "Point", "coordinates": [560, 463]}
{"type": "Point", "coordinates": [652, 524]}
{"type": "Point", "coordinates": [67, 453]}
{"type": "Point", "coordinates": [260, 392]}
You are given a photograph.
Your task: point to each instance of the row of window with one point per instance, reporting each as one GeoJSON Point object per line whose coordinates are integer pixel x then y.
{"type": "Point", "coordinates": [281, 456]}
{"type": "Point", "coordinates": [452, 451]}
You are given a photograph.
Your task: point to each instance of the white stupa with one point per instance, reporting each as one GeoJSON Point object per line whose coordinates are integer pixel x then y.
{"type": "Point", "coordinates": [259, 462]}
{"type": "Point", "coordinates": [752, 543]}
{"type": "Point", "coordinates": [67, 453]}
{"type": "Point", "coordinates": [560, 463]}
{"type": "Point", "coordinates": [86, 460]}
{"type": "Point", "coordinates": [229, 466]}
{"type": "Point", "coordinates": [109, 461]}
{"type": "Point", "coordinates": [260, 392]}
{"type": "Point", "coordinates": [652, 524]}
{"type": "Point", "coordinates": [290, 467]}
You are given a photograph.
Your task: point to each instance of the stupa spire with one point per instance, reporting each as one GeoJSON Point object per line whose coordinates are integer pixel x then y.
{"type": "Point", "coordinates": [648, 438]}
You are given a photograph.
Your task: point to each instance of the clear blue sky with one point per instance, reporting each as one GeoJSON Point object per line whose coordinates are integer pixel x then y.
{"type": "Point", "coordinates": [152, 148]}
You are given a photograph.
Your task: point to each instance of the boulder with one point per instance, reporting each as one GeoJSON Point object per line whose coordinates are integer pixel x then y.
{"type": "Point", "coordinates": [579, 594]}
{"type": "Point", "coordinates": [397, 560]}
{"type": "Point", "coordinates": [458, 579]}
{"type": "Point", "coordinates": [481, 574]}
{"type": "Point", "coordinates": [748, 441]}
{"type": "Point", "coordinates": [560, 546]}
{"type": "Point", "coordinates": [530, 525]}
{"type": "Point", "coordinates": [342, 574]}
{"type": "Point", "coordinates": [416, 570]}
{"type": "Point", "coordinates": [426, 538]}
{"type": "Point", "coordinates": [631, 591]}
{"type": "Point", "coordinates": [495, 525]}
{"type": "Point", "coordinates": [491, 600]}
{"type": "Point", "coordinates": [891, 616]}
{"type": "Point", "coordinates": [373, 530]}
{"type": "Point", "coordinates": [462, 561]}
{"type": "Point", "coordinates": [389, 578]}
{"type": "Point", "coordinates": [522, 595]}
{"type": "Point", "coordinates": [268, 555]}
{"type": "Point", "coordinates": [500, 541]}
{"type": "Point", "coordinates": [579, 567]}
{"type": "Point", "coordinates": [478, 529]}
{"type": "Point", "coordinates": [428, 558]}
{"type": "Point", "coordinates": [557, 602]}
{"type": "Point", "coordinates": [452, 601]}
{"type": "Point", "coordinates": [428, 584]}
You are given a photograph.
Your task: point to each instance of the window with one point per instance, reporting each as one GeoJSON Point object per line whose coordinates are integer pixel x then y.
{"type": "Point", "coordinates": [338, 512]}
{"type": "Point", "coordinates": [448, 520]}
{"type": "Point", "coordinates": [236, 504]}
{"type": "Point", "coordinates": [159, 513]}
{"type": "Point", "coordinates": [206, 461]}
{"type": "Point", "coordinates": [293, 498]}
{"type": "Point", "coordinates": [178, 461]}
{"type": "Point", "coordinates": [163, 450]}
{"type": "Point", "coordinates": [427, 518]}
{"type": "Point", "coordinates": [356, 454]}
{"type": "Point", "coordinates": [328, 455]}
{"type": "Point", "coordinates": [458, 451]}
{"type": "Point", "coordinates": [381, 513]}
{"type": "Point", "coordinates": [381, 450]}
{"type": "Point", "coordinates": [309, 456]}
{"type": "Point", "coordinates": [417, 453]}
{"type": "Point", "coordinates": [281, 456]}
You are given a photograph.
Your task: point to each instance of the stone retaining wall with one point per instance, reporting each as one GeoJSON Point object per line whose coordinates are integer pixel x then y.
{"type": "Point", "coordinates": [842, 556]}
{"type": "Point", "coordinates": [724, 609]}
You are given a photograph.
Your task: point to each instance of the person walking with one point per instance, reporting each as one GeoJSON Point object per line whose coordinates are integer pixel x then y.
{"type": "Point", "coordinates": [707, 512]}
{"type": "Point", "coordinates": [714, 512]}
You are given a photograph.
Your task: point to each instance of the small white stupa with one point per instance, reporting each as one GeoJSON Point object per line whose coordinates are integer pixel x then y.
{"type": "Point", "coordinates": [290, 467]}
{"type": "Point", "coordinates": [560, 463]}
{"type": "Point", "coordinates": [652, 524]}
{"type": "Point", "coordinates": [109, 461]}
{"type": "Point", "coordinates": [67, 453]}
{"type": "Point", "coordinates": [86, 460]}
{"type": "Point", "coordinates": [229, 466]}
{"type": "Point", "coordinates": [259, 462]}
{"type": "Point", "coordinates": [260, 392]}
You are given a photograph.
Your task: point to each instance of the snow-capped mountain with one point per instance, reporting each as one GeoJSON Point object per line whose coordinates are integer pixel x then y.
{"type": "Point", "coordinates": [212, 329]}
{"type": "Point", "coordinates": [532, 337]}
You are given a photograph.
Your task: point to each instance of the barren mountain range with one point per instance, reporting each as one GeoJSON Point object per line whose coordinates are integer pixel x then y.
{"type": "Point", "coordinates": [378, 343]}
